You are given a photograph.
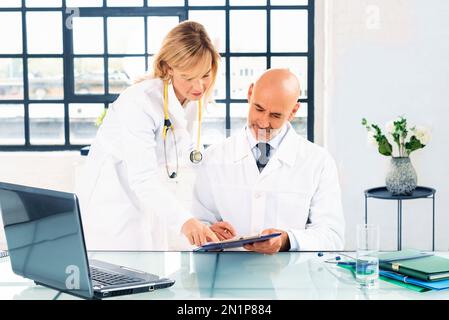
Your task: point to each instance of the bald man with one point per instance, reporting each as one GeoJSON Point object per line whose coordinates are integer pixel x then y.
{"type": "Point", "coordinates": [266, 178]}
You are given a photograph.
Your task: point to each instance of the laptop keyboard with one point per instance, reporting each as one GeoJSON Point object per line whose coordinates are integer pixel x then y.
{"type": "Point", "coordinates": [111, 278]}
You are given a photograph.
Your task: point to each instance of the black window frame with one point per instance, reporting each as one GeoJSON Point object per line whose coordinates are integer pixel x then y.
{"type": "Point", "coordinates": [182, 12]}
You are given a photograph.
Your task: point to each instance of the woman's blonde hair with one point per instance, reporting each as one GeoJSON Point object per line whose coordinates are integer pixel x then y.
{"type": "Point", "coordinates": [187, 45]}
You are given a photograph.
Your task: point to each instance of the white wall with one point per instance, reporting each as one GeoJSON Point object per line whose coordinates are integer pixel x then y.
{"type": "Point", "coordinates": [48, 170]}
{"type": "Point", "coordinates": [386, 58]}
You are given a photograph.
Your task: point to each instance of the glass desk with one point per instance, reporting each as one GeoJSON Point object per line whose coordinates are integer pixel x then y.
{"type": "Point", "coordinates": [231, 275]}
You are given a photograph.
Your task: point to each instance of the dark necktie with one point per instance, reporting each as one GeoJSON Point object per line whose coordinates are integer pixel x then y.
{"type": "Point", "coordinates": [264, 155]}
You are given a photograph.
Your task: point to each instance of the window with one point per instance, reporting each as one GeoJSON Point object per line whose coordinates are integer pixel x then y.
{"type": "Point", "coordinates": [63, 61]}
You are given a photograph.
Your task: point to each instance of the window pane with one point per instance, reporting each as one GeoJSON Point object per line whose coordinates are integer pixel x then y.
{"type": "Point", "coordinates": [11, 41]}
{"type": "Point", "coordinates": [84, 3]}
{"type": "Point", "coordinates": [213, 128]}
{"type": "Point", "coordinates": [45, 78]}
{"type": "Point", "coordinates": [244, 71]}
{"type": "Point", "coordinates": [166, 3]}
{"type": "Point", "coordinates": [297, 65]}
{"type": "Point", "coordinates": [10, 3]}
{"type": "Point", "coordinates": [89, 76]}
{"type": "Point", "coordinates": [123, 72]}
{"type": "Point", "coordinates": [215, 24]}
{"type": "Point", "coordinates": [11, 78]}
{"type": "Point", "coordinates": [82, 122]}
{"type": "Point", "coordinates": [126, 35]}
{"type": "Point", "coordinates": [282, 41]}
{"type": "Point", "coordinates": [220, 83]}
{"type": "Point", "coordinates": [289, 2]}
{"type": "Point", "coordinates": [124, 3]}
{"type": "Point", "coordinates": [299, 123]}
{"type": "Point", "coordinates": [158, 27]}
{"type": "Point", "coordinates": [150, 63]}
{"type": "Point", "coordinates": [12, 130]}
{"type": "Point", "coordinates": [44, 32]}
{"type": "Point", "coordinates": [248, 2]}
{"type": "Point", "coordinates": [239, 116]}
{"type": "Point", "coordinates": [207, 2]}
{"type": "Point", "coordinates": [88, 36]}
{"type": "Point", "coordinates": [47, 124]}
{"type": "Point", "coordinates": [43, 3]}
{"type": "Point", "coordinates": [248, 31]}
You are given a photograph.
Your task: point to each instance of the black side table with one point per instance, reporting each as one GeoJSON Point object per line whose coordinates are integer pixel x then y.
{"type": "Point", "coordinates": [84, 151]}
{"type": "Point", "coordinates": [419, 193]}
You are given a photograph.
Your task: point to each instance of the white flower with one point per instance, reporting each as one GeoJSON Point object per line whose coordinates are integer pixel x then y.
{"type": "Point", "coordinates": [408, 137]}
{"type": "Point", "coordinates": [389, 127]}
{"type": "Point", "coordinates": [422, 134]}
{"type": "Point", "coordinates": [371, 139]}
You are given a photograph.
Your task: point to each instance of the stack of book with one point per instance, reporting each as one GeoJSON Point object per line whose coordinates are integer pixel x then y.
{"type": "Point", "coordinates": [424, 270]}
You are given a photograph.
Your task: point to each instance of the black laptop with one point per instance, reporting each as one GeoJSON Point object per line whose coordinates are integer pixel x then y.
{"type": "Point", "coordinates": [45, 241]}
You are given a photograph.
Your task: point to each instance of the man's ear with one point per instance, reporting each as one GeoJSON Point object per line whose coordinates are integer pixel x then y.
{"type": "Point", "coordinates": [293, 113]}
{"type": "Point", "coordinates": [250, 91]}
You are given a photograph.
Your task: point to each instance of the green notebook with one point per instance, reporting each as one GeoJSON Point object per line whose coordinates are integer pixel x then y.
{"type": "Point", "coordinates": [429, 268]}
{"type": "Point", "coordinates": [393, 281]}
{"type": "Point", "coordinates": [405, 254]}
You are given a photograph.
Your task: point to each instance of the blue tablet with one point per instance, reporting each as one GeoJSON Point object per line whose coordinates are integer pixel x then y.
{"type": "Point", "coordinates": [235, 243]}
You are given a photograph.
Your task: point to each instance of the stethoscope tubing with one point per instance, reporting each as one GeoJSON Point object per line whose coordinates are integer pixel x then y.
{"type": "Point", "coordinates": [195, 156]}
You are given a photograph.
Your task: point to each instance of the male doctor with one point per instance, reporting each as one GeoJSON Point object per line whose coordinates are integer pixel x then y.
{"type": "Point", "coordinates": [266, 178]}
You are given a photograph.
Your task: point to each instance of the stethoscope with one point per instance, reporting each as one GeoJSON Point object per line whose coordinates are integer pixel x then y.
{"type": "Point", "coordinates": [196, 155]}
{"type": "Point", "coordinates": [338, 259]}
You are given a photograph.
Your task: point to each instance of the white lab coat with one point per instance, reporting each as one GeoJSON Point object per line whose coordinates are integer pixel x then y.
{"type": "Point", "coordinates": [298, 191]}
{"type": "Point", "coordinates": [127, 200]}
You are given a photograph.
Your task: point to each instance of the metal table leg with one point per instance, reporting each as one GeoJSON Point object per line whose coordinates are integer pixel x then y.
{"type": "Point", "coordinates": [399, 225]}
{"type": "Point", "coordinates": [366, 209]}
{"type": "Point", "coordinates": [433, 223]}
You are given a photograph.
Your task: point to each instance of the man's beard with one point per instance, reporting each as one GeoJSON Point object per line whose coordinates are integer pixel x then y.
{"type": "Point", "coordinates": [264, 135]}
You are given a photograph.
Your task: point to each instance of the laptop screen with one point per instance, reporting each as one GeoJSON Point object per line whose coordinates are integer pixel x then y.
{"type": "Point", "coordinates": [44, 237]}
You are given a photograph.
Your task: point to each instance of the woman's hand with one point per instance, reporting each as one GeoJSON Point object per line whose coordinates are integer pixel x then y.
{"type": "Point", "coordinates": [197, 232]}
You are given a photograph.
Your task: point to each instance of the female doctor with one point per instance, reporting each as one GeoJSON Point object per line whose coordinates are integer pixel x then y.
{"type": "Point", "coordinates": [125, 199]}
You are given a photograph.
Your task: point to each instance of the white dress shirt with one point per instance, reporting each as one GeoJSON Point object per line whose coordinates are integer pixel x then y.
{"type": "Point", "coordinates": [274, 143]}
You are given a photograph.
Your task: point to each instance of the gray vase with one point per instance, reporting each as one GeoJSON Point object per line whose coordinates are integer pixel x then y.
{"type": "Point", "coordinates": [401, 177]}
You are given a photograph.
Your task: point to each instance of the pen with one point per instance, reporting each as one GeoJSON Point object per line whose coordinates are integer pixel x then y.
{"type": "Point", "coordinates": [346, 263]}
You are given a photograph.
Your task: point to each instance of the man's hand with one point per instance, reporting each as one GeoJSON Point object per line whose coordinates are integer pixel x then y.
{"type": "Point", "coordinates": [223, 230]}
{"type": "Point", "coordinates": [197, 232]}
{"type": "Point", "coordinates": [273, 245]}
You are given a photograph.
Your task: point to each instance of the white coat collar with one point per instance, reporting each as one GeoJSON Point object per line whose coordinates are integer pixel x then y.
{"type": "Point", "coordinates": [274, 143]}
{"type": "Point", "coordinates": [288, 149]}
{"type": "Point", "coordinates": [175, 108]}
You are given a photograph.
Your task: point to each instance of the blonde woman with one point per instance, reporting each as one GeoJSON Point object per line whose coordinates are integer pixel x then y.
{"type": "Point", "coordinates": [125, 198]}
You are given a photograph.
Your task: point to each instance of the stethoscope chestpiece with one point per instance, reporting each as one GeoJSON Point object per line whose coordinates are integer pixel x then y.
{"type": "Point", "coordinates": [173, 175]}
{"type": "Point", "coordinates": [196, 156]}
